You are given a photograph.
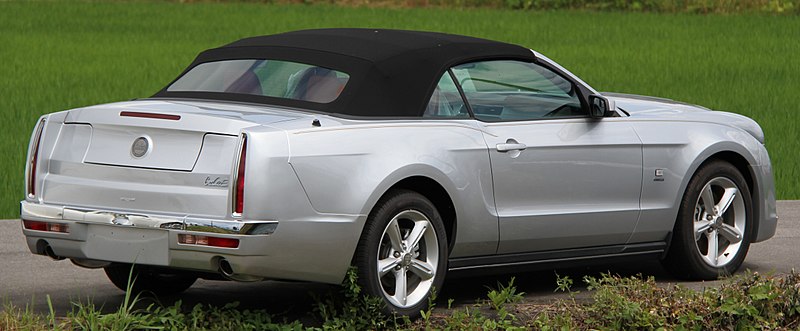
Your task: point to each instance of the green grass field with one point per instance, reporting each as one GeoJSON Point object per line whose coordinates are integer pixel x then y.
{"type": "Point", "coordinates": [56, 56]}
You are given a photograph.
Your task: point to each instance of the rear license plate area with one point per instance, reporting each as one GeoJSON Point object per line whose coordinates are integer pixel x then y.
{"type": "Point", "coordinates": [128, 245]}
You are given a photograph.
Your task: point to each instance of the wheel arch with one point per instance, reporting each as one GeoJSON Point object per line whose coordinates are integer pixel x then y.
{"type": "Point", "coordinates": [745, 168]}
{"type": "Point", "coordinates": [741, 164]}
{"type": "Point", "coordinates": [425, 184]}
{"type": "Point", "coordinates": [735, 155]}
{"type": "Point", "coordinates": [434, 192]}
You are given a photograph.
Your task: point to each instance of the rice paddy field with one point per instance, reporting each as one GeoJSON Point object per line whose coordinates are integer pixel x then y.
{"type": "Point", "coordinates": [61, 55]}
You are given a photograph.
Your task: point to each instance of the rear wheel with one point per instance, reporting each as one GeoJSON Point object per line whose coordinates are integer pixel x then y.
{"type": "Point", "coordinates": [712, 232]}
{"type": "Point", "coordinates": [145, 279]}
{"type": "Point", "coordinates": [402, 255]}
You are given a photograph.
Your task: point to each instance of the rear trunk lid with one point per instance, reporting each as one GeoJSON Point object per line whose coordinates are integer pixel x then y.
{"type": "Point", "coordinates": [156, 134]}
{"type": "Point", "coordinates": [167, 157]}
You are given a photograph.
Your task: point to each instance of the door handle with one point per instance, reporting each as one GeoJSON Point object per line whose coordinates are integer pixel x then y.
{"type": "Point", "coordinates": [511, 145]}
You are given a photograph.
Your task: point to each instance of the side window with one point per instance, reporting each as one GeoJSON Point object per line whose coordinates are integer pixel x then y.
{"type": "Point", "coordinates": [445, 101]}
{"type": "Point", "coordinates": [505, 90]}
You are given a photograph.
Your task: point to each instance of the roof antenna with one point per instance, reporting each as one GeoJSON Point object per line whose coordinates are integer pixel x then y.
{"type": "Point", "coordinates": [316, 122]}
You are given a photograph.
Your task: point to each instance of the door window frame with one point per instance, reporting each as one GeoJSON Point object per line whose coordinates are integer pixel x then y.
{"type": "Point", "coordinates": [581, 91]}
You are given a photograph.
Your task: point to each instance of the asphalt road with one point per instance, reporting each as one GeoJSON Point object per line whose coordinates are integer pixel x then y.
{"type": "Point", "coordinates": [27, 280]}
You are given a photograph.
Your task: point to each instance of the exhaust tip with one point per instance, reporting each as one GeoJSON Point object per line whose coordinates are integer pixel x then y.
{"type": "Point", "coordinates": [49, 252]}
{"type": "Point", "coordinates": [225, 268]}
{"type": "Point", "coordinates": [43, 248]}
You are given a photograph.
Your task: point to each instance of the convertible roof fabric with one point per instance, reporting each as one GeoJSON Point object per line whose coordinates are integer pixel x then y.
{"type": "Point", "coordinates": [392, 72]}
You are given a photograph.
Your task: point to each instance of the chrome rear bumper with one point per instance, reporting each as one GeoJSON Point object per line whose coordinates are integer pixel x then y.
{"type": "Point", "coordinates": [314, 247]}
{"type": "Point", "coordinates": [91, 237]}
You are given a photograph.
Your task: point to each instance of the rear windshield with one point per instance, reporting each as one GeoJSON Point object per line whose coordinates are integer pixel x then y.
{"type": "Point", "coordinates": [272, 78]}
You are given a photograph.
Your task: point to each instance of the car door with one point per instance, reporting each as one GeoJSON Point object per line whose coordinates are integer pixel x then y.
{"type": "Point", "coordinates": [561, 179]}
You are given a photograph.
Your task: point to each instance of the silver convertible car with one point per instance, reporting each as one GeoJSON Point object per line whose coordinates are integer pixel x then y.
{"type": "Point", "coordinates": [407, 154]}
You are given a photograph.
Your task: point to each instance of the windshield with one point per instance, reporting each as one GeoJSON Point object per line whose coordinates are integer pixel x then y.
{"type": "Point", "coordinates": [272, 78]}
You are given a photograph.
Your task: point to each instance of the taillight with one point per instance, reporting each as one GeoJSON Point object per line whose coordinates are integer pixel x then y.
{"type": "Point", "coordinates": [45, 226]}
{"type": "Point", "coordinates": [238, 201]}
{"type": "Point", "coordinates": [191, 239]}
{"type": "Point", "coordinates": [34, 158]}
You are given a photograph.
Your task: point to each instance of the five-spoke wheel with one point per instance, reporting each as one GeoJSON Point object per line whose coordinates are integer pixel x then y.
{"type": "Point", "coordinates": [407, 258]}
{"type": "Point", "coordinates": [711, 235]}
{"type": "Point", "coordinates": [719, 221]}
{"type": "Point", "coordinates": [402, 254]}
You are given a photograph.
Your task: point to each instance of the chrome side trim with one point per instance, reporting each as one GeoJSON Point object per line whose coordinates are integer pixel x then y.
{"type": "Point", "coordinates": [43, 212]}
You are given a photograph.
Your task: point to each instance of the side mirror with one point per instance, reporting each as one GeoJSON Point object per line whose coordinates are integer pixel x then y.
{"type": "Point", "coordinates": [599, 106]}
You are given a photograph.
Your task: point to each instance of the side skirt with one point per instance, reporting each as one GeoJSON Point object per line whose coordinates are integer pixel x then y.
{"type": "Point", "coordinates": [555, 259]}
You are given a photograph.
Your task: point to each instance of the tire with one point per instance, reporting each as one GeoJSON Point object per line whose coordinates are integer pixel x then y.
{"type": "Point", "coordinates": [148, 280]}
{"type": "Point", "coordinates": [419, 268]}
{"type": "Point", "coordinates": [692, 254]}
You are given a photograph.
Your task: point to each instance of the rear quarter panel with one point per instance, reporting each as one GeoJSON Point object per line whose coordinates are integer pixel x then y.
{"type": "Point", "coordinates": [346, 169]}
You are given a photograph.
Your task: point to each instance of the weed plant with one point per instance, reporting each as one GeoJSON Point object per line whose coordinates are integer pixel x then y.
{"type": "Point", "coordinates": [746, 302]}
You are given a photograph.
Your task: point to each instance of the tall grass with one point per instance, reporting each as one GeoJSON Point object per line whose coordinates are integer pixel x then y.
{"type": "Point", "coordinates": [57, 55]}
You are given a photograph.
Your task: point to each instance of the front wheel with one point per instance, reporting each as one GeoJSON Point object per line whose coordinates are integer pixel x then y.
{"type": "Point", "coordinates": [402, 254]}
{"type": "Point", "coordinates": [148, 280]}
{"type": "Point", "coordinates": [714, 225]}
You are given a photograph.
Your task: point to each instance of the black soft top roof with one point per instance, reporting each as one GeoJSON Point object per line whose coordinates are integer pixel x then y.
{"type": "Point", "coordinates": [392, 72]}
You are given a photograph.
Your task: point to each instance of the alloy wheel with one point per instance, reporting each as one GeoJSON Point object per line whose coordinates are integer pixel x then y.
{"type": "Point", "coordinates": [407, 258]}
{"type": "Point", "coordinates": [719, 221]}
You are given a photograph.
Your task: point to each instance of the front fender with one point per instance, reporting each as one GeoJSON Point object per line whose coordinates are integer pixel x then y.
{"type": "Point", "coordinates": [679, 151]}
